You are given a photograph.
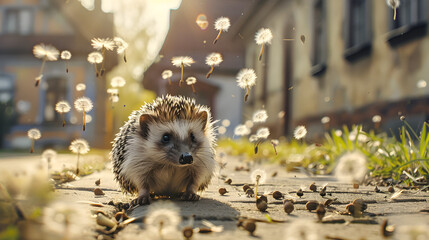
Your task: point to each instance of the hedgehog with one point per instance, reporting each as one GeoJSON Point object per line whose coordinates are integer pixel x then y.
{"type": "Point", "coordinates": [165, 149]}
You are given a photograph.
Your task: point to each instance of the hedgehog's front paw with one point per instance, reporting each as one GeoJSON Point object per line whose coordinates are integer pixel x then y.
{"type": "Point", "coordinates": [190, 196]}
{"type": "Point", "coordinates": [141, 200]}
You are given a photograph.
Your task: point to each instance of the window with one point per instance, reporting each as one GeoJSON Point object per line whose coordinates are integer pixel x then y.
{"type": "Point", "coordinates": [357, 29]}
{"type": "Point", "coordinates": [319, 33]}
{"type": "Point", "coordinates": [56, 90]}
{"type": "Point", "coordinates": [18, 21]}
{"type": "Point", "coordinates": [6, 89]}
{"type": "Point", "coordinates": [409, 12]}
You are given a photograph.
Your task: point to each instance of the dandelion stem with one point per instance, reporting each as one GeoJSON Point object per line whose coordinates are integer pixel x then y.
{"type": "Point", "coordinates": [193, 88]}
{"type": "Point", "coordinates": [394, 13]}
{"type": "Point", "coordinates": [32, 146]}
{"type": "Point", "coordinates": [217, 38]}
{"type": "Point", "coordinates": [43, 66]}
{"type": "Point", "coordinates": [125, 56]}
{"type": "Point", "coordinates": [84, 121]}
{"type": "Point", "coordinates": [64, 122]}
{"type": "Point", "coordinates": [275, 149]}
{"type": "Point", "coordinates": [77, 163]}
{"type": "Point", "coordinates": [67, 66]}
{"type": "Point", "coordinates": [96, 71]}
{"type": "Point", "coordinates": [256, 187]}
{"type": "Point", "coordinates": [210, 72]}
{"type": "Point", "coordinates": [181, 75]}
{"type": "Point", "coordinates": [262, 52]}
{"type": "Point", "coordinates": [247, 93]}
{"type": "Point", "coordinates": [169, 81]}
{"type": "Point", "coordinates": [160, 229]}
{"type": "Point", "coordinates": [103, 52]}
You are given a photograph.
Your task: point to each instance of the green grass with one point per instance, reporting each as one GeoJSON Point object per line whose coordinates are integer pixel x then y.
{"type": "Point", "coordinates": [387, 157]}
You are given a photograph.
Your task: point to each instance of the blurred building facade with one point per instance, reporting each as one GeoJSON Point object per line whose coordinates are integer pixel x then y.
{"type": "Point", "coordinates": [186, 38]}
{"type": "Point", "coordinates": [348, 60]}
{"type": "Point", "coordinates": [67, 26]}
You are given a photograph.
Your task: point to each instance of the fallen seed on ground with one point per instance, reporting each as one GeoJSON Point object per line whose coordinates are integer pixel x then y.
{"type": "Point", "coordinates": [222, 191]}
{"type": "Point", "coordinates": [250, 192]}
{"type": "Point", "coordinates": [313, 187]}
{"type": "Point", "coordinates": [311, 205]}
{"type": "Point", "coordinates": [274, 174]}
{"type": "Point", "coordinates": [98, 191]}
{"type": "Point", "coordinates": [300, 193]}
{"type": "Point", "coordinates": [188, 232]}
{"type": "Point", "coordinates": [261, 205]}
{"type": "Point", "coordinates": [228, 181]}
{"type": "Point", "coordinates": [288, 207]}
{"type": "Point", "coordinates": [320, 211]}
{"type": "Point", "coordinates": [245, 187]}
{"type": "Point", "coordinates": [277, 195]}
{"type": "Point", "coordinates": [387, 230]}
{"type": "Point", "coordinates": [250, 226]}
{"type": "Point", "coordinates": [98, 182]}
{"type": "Point", "coordinates": [391, 189]}
{"type": "Point", "coordinates": [376, 189]}
{"type": "Point", "coordinates": [355, 186]}
{"type": "Point", "coordinates": [360, 204]}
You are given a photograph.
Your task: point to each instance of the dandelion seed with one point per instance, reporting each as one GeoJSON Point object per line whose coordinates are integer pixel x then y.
{"type": "Point", "coordinates": [281, 114]}
{"type": "Point", "coordinates": [117, 82]}
{"type": "Point", "coordinates": [393, 4]}
{"type": "Point", "coordinates": [241, 130]}
{"type": "Point", "coordinates": [351, 167]}
{"type": "Point", "coordinates": [103, 44]}
{"type": "Point", "coordinates": [166, 74]}
{"type": "Point", "coordinates": [83, 105]}
{"type": "Point", "coordinates": [121, 46]}
{"type": "Point", "coordinates": [300, 132]}
{"type": "Point", "coordinates": [34, 134]}
{"type": "Point", "coordinates": [63, 107]}
{"type": "Point", "coordinates": [213, 59]}
{"type": "Point", "coordinates": [221, 24]}
{"type": "Point", "coordinates": [263, 133]}
{"type": "Point", "coordinates": [48, 157]}
{"type": "Point", "coordinates": [202, 21]}
{"type": "Point", "coordinates": [275, 143]}
{"type": "Point", "coordinates": [262, 37]}
{"type": "Point", "coordinates": [226, 122]}
{"type": "Point", "coordinates": [46, 53]}
{"type": "Point", "coordinates": [338, 132]}
{"type": "Point", "coordinates": [80, 87]}
{"type": "Point", "coordinates": [246, 79]}
{"type": "Point", "coordinates": [191, 81]}
{"type": "Point", "coordinates": [253, 138]}
{"type": "Point", "coordinates": [66, 55]}
{"type": "Point", "coordinates": [421, 84]}
{"type": "Point", "coordinates": [258, 176]}
{"type": "Point", "coordinates": [162, 218]}
{"type": "Point", "coordinates": [325, 120]}
{"type": "Point", "coordinates": [95, 58]}
{"type": "Point", "coordinates": [221, 130]}
{"type": "Point", "coordinates": [182, 61]}
{"type": "Point", "coordinates": [376, 119]}
{"type": "Point", "coordinates": [260, 116]}
{"type": "Point", "coordinates": [79, 146]}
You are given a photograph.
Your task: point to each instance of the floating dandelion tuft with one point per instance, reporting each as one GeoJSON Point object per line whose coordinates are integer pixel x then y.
{"type": "Point", "coordinates": [113, 94]}
{"type": "Point", "coordinates": [46, 53]}
{"type": "Point", "coordinates": [421, 83]}
{"type": "Point", "coordinates": [246, 78]}
{"type": "Point", "coordinates": [253, 138]}
{"type": "Point", "coordinates": [376, 119]}
{"type": "Point", "coordinates": [117, 82]}
{"type": "Point", "coordinates": [191, 81]}
{"type": "Point", "coordinates": [182, 61]}
{"type": "Point", "coordinates": [121, 46]}
{"type": "Point", "coordinates": [95, 58]}
{"type": "Point", "coordinates": [83, 105]}
{"type": "Point", "coordinates": [393, 4]}
{"type": "Point", "coordinates": [221, 24]}
{"type": "Point", "coordinates": [34, 134]}
{"type": "Point", "coordinates": [325, 120]}
{"type": "Point", "coordinates": [63, 107]}
{"type": "Point", "coordinates": [166, 74]}
{"type": "Point", "coordinates": [263, 133]}
{"type": "Point", "coordinates": [241, 130]}
{"type": "Point", "coordinates": [275, 143]}
{"type": "Point", "coordinates": [79, 146]}
{"type": "Point", "coordinates": [213, 59]}
{"type": "Point", "coordinates": [260, 116]}
{"type": "Point", "coordinates": [299, 132]}
{"type": "Point", "coordinates": [103, 44]}
{"type": "Point", "coordinates": [163, 218]}
{"type": "Point", "coordinates": [66, 55]}
{"type": "Point", "coordinates": [262, 37]}
{"type": "Point", "coordinates": [48, 157]}
{"type": "Point", "coordinates": [351, 167]}
{"type": "Point", "coordinates": [80, 87]}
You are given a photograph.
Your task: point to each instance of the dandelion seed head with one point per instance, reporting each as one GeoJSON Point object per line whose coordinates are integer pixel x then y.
{"type": "Point", "coordinates": [351, 167]}
{"type": "Point", "coordinates": [121, 45]}
{"type": "Point", "coordinates": [49, 154]}
{"type": "Point", "coordinates": [100, 43]}
{"type": "Point", "coordinates": [253, 138]}
{"type": "Point", "coordinates": [376, 119]}
{"type": "Point", "coordinates": [165, 214]}
{"type": "Point", "coordinates": [241, 130]}
{"type": "Point", "coordinates": [79, 146]}
{"type": "Point", "coordinates": [112, 91]}
{"type": "Point", "coordinates": [83, 104]}
{"type": "Point", "coordinates": [393, 3]}
{"type": "Point", "coordinates": [191, 80]}
{"type": "Point", "coordinates": [421, 84]}
{"type": "Point", "coordinates": [258, 172]}
{"type": "Point", "coordinates": [34, 134]}
{"type": "Point", "coordinates": [47, 52]}
{"type": "Point", "coordinates": [260, 116]}
{"type": "Point", "coordinates": [214, 59]}
{"type": "Point", "coordinates": [95, 57]}
{"type": "Point", "coordinates": [80, 87]}
{"type": "Point", "coordinates": [263, 133]}
{"type": "Point", "coordinates": [62, 107]}
{"type": "Point", "coordinates": [185, 60]}
{"type": "Point", "coordinates": [325, 120]}
{"type": "Point", "coordinates": [302, 229]}
{"type": "Point", "coordinates": [222, 24]}
{"type": "Point", "coordinates": [117, 81]}
{"type": "Point", "coordinates": [275, 142]}
{"type": "Point", "coordinates": [246, 78]}
{"type": "Point", "coordinates": [66, 55]}
{"type": "Point", "coordinates": [299, 132]}
{"type": "Point", "coordinates": [263, 36]}
{"type": "Point", "coordinates": [166, 74]}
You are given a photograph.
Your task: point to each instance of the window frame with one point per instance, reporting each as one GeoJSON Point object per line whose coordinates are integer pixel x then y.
{"type": "Point", "coordinates": [319, 42]}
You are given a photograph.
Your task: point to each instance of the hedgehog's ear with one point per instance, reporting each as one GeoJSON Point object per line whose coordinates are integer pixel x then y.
{"type": "Point", "coordinates": [204, 117]}
{"type": "Point", "coordinates": [144, 121]}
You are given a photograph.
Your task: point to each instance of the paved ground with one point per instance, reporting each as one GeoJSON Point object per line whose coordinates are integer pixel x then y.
{"type": "Point", "coordinates": [226, 210]}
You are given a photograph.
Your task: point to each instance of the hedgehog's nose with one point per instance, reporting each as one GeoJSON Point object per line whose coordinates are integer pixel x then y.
{"type": "Point", "coordinates": [186, 158]}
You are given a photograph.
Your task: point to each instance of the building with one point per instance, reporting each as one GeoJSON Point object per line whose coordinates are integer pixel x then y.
{"type": "Point", "coordinates": [67, 26]}
{"type": "Point", "coordinates": [186, 38]}
{"type": "Point", "coordinates": [348, 60]}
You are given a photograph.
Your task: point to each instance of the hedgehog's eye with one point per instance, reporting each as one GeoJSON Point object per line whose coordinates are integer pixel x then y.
{"type": "Point", "coordinates": [166, 138]}
{"type": "Point", "coordinates": [193, 139]}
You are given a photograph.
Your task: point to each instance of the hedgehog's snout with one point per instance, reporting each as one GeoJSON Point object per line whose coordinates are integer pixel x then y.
{"type": "Point", "coordinates": [186, 158]}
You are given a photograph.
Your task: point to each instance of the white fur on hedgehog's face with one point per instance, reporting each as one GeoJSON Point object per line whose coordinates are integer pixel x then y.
{"type": "Point", "coordinates": [179, 142]}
